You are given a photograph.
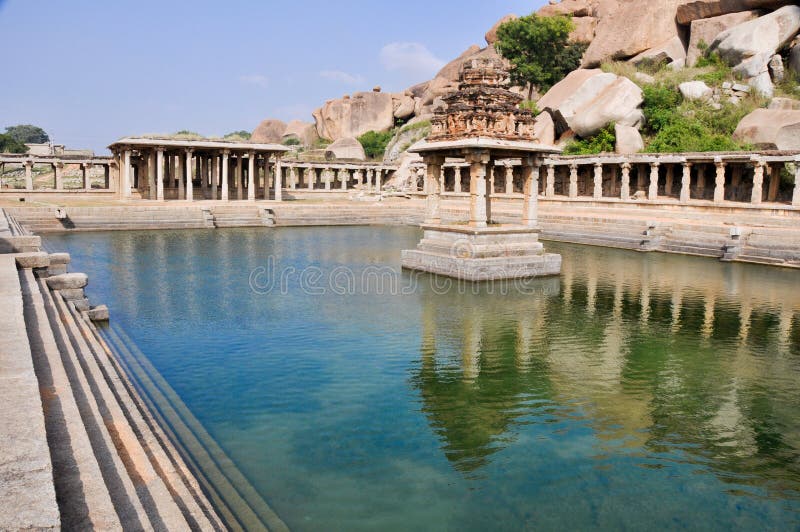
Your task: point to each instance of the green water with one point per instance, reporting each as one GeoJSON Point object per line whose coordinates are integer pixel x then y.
{"type": "Point", "coordinates": [640, 391]}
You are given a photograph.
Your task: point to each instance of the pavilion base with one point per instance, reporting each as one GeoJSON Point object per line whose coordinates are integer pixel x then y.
{"type": "Point", "coordinates": [481, 254]}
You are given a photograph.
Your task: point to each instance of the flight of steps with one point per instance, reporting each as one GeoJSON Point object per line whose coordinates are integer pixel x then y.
{"type": "Point", "coordinates": [382, 213]}
{"type": "Point", "coordinates": [694, 239]}
{"type": "Point", "coordinates": [112, 467]}
{"type": "Point", "coordinates": [242, 216]}
{"type": "Point", "coordinates": [770, 245]}
{"type": "Point", "coordinates": [593, 230]}
{"type": "Point", "coordinates": [50, 219]}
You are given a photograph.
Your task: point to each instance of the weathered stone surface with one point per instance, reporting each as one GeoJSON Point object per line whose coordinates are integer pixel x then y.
{"type": "Point", "coordinates": [785, 104]}
{"type": "Point", "coordinates": [584, 29]}
{"type": "Point", "coordinates": [629, 140]}
{"type": "Point", "coordinates": [695, 90]}
{"type": "Point", "coordinates": [405, 107]}
{"type": "Point", "coordinates": [707, 30]}
{"type": "Point", "coordinates": [670, 52]}
{"type": "Point", "coordinates": [776, 69]}
{"type": "Point", "coordinates": [770, 129]}
{"type": "Point", "coordinates": [269, 131]}
{"type": "Point", "coordinates": [98, 313]}
{"type": "Point", "coordinates": [629, 28]}
{"type": "Point", "coordinates": [59, 258]}
{"type": "Point", "coordinates": [576, 8]}
{"type": "Point", "coordinates": [67, 281]}
{"type": "Point", "coordinates": [34, 259]}
{"type": "Point", "coordinates": [794, 58]}
{"type": "Point", "coordinates": [641, 77]}
{"type": "Point", "coordinates": [452, 69]}
{"type": "Point", "coordinates": [588, 100]}
{"type": "Point", "coordinates": [700, 9]}
{"type": "Point", "coordinates": [20, 244]}
{"type": "Point", "coordinates": [346, 148]}
{"type": "Point", "coordinates": [305, 132]}
{"type": "Point", "coordinates": [491, 35]}
{"type": "Point", "coordinates": [749, 47]}
{"type": "Point", "coordinates": [544, 129]}
{"type": "Point", "coordinates": [354, 116]}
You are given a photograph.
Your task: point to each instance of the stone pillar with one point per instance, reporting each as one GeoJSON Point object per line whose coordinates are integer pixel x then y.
{"type": "Point", "coordinates": [686, 182]}
{"type": "Point", "coordinates": [326, 178]}
{"type": "Point", "coordinates": [251, 176]}
{"type": "Point", "coordinates": [214, 176]}
{"type": "Point", "coordinates": [189, 184]}
{"type": "Point", "coordinates": [652, 193]}
{"type": "Point", "coordinates": [202, 168]}
{"type": "Point", "coordinates": [378, 179]}
{"type": "Point", "coordinates": [160, 174]}
{"type": "Point", "coordinates": [598, 180]}
{"type": "Point", "coordinates": [28, 175]}
{"type": "Point", "coordinates": [719, 188]}
{"type": "Point", "coordinates": [182, 171]}
{"type": "Point", "coordinates": [125, 173]}
{"type": "Point", "coordinates": [239, 175]}
{"type": "Point", "coordinates": [292, 177]}
{"type": "Point", "coordinates": [151, 175]}
{"type": "Point", "coordinates": [774, 181]}
{"type": "Point", "coordinates": [796, 192]}
{"type": "Point", "coordinates": [278, 178]}
{"type": "Point", "coordinates": [107, 174]}
{"type": "Point", "coordinates": [85, 175]}
{"type": "Point", "coordinates": [344, 176]}
{"type": "Point", "coordinates": [573, 181]}
{"type": "Point", "coordinates": [530, 179]}
{"type": "Point", "coordinates": [625, 187]}
{"type": "Point", "coordinates": [225, 154]}
{"type": "Point", "coordinates": [509, 175]}
{"type": "Point", "coordinates": [550, 188]}
{"type": "Point", "coordinates": [700, 189]}
{"type": "Point", "coordinates": [369, 173]}
{"type": "Point", "coordinates": [433, 188]}
{"type": "Point", "coordinates": [311, 177]}
{"type": "Point", "coordinates": [612, 187]}
{"type": "Point", "coordinates": [457, 179]}
{"type": "Point", "coordinates": [670, 179]}
{"type": "Point", "coordinates": [57, 170]}
{"type": "Point", "coordinates": [758, 181]}
{"type": "Point", "coordinates": [477, 188]}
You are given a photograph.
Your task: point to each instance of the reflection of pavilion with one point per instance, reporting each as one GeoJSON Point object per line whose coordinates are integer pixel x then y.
{"type": "Point", "coordinates": [482, 124]}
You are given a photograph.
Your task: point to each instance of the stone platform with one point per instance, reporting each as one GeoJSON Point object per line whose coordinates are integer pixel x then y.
{"type": "Point", "coordinates": [481, 254]}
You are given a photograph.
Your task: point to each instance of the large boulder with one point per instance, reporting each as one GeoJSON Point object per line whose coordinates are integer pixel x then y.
{"type": "Point", "coordinates": [706, 31]}
{"type": "Point", "coordinates": [629, 140]}
{"type": "Point", "coordinates": [354, 116]}
{"type": "Point", "coordinates": [304, 132]}
{"type": "Point", "coordinates": [670, 52]}
{"type": "Point", "coordinates": [588, 100]}
{"type": "Point", "coordinates": [575, 8]}
{"type": "Point", "coordinates": [749, 47]}
{"type": "Point", "coordinates": [629, 28]}
{"type": "Point", "coordinates": [794, 58]}
{"type": "Point", "coordinates": [491, 35]}
{"type": "Point", "coordinates": [269, 131]}
{"type": "Point", "coordinates": [404, 106]}
{"type": "Point", "coordinates": [452, 70]}
{"type": "Point", "coordinates": [544, 130]}
{"type": "Point", "coordinates": [770, 129]}
{"type": "Point", "coordinates": [700, 9]}
{"type": "Point", "coordinates": [346, 148]}
{"type": "Point", "coordinates": [584, 29]}
{"type": "Point", "coordinates": [786, 104]}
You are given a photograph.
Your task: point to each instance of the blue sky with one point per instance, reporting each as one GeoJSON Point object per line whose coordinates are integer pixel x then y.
{"type": "Point", "coordinates": [91, 71]}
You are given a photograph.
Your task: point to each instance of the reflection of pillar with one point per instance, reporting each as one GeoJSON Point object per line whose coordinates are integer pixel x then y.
{"type": "Point", "coordinates": [530, 176]}
{"type": "Point", "coordinates": [598, 180]}
{"type": "Point", "coordinates": [652, 193]}
{"type": "Point", "coordinates": [708, 315]}
{"type": "Point", "coordinates": [251, 176]}
{"type": "Point", "coordinates": [189, 184]}
{"type": "Point", "coordinates": [550, 188]}
{"type": "Point", "coordinates": [433, 183]}
{"type": "Point", "coordinates": [618, 293]}
{"type": "Point", "coordinates": [785, 327]}
{"type": "Point", "coordinates": [745, 313]}
{"type": "Point", "coordinates": [29, 175]}
{"type": "Point", "coordinates": [471, 355]}
{"type": "Point", "coordinates": [573, 181]}
{"type": "Point", "coordinates": [278, 178]}
{"type": "Point", "coordinates": [225, 191]}
{"type": "Point", "coordinates": [644, 300]}
{"type": "Point", "coordinates": [625, 188]}
{"type": "Point", "coordinates": [677, 301]}
{"type": "Point", "coordinates": [686, 182]}
{"type": "Point", "coordinates": [758, 182]}
{"type": "Point", "coordinates": [477, 189]}
{"type": "Point", "coordinates": [591, 293]}
{"type": "Point", "coordinates": [160, 174]}
{"type": "Point", "coordinates": [524, 351]}
{"type": "Point", "coordinates": [719, 188]}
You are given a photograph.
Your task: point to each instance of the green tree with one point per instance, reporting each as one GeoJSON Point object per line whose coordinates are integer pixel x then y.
{"type": "Point", "coordinates": [539, 49]}
{"type": "Point", "coordinates": [9, 144]}
{"type": "Point", "coordinates": [242, 134]}
{"type": "Point", "coordinates": [603, 142]}
{"type": "Point", "coordinates": [375, 142]}
{"type": "Point", "coordinates": [28, 134]}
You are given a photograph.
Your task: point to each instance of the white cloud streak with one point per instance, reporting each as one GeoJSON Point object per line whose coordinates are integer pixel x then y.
{"type": "Point", "coordinates": [341, 77]}
{"type": "Point", "coordinates": [410, 58]}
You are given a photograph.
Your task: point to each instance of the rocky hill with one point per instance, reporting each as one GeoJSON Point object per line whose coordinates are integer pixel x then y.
{"type": "Point", "coordinates": [727, 67]}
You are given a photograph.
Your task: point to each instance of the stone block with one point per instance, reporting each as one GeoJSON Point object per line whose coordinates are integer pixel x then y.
{"type": "Point", "coordinates": [72, 293]}
{"type": "Point", "coordinates": [98, 313]}
{"type": "Point", "coordinates": [67, 281]}
{"type": "Point", "coordinates": [35, 259]}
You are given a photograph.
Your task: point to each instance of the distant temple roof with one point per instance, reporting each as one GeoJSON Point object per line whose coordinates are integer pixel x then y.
{"type": "Point", "coordinates": [194, 144]}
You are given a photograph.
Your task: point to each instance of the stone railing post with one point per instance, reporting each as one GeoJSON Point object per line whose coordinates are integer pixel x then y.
{"type": "Point", "coordinates": [509, 176]}
{"type": "Point", "coordinates": [686, 182]}
{"type": "Point", "coordinates": [326, 177]}
{"type": "Point", "coordinates": [378, 180]}
{"type": "Point", "coordinates": [625, 187]}
{"type": "Point", "coordinates": [598, 180]}
{"type": "Point", "coordinates": [477, 188]}
{"type": "Point", "coordinates": [719, 188]}
{"type": "Point", "coordinates": [57, 170]}
{"type": "Point", "coordinates": [292, 177]}
{"type": "Point", "coordinates": [457, 179]}
{"type": "Point", "coordinates": [28, 175]}
{"type": "Point", "coordinates": [85, 175]}
{"type": "Point", "coordinates": [344, 176]}
{"type": "Point", "coordinates": [573, 181]}
{"type": "Point", "coordinates": [311, 177]}
{"type": "Point", "coordinates": [550, 186]}
{"type": "Point", "coordinates": [652, 193]}
{"type": "Point", "coordinates": [531, 167]}
{"type": "Point", "coordinates": [758, 181]}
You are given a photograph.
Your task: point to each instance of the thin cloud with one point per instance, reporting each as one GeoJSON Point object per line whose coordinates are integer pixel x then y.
{"type": "Point", "coordinates": [410, 58]}
{"type": "Point", "coordinates": [255, 79]}
{"type": "Point", "coordinates": [341, 77]}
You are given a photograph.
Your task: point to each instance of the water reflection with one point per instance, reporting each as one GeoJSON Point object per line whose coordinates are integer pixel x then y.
{"type": "Point", "coordinates": [666, 357]}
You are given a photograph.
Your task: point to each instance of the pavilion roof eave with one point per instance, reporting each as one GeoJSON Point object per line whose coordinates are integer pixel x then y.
{"type": "Point", "coordinates": [135, 142]}
{"type": "Point", "coordinates": [514, 147]}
